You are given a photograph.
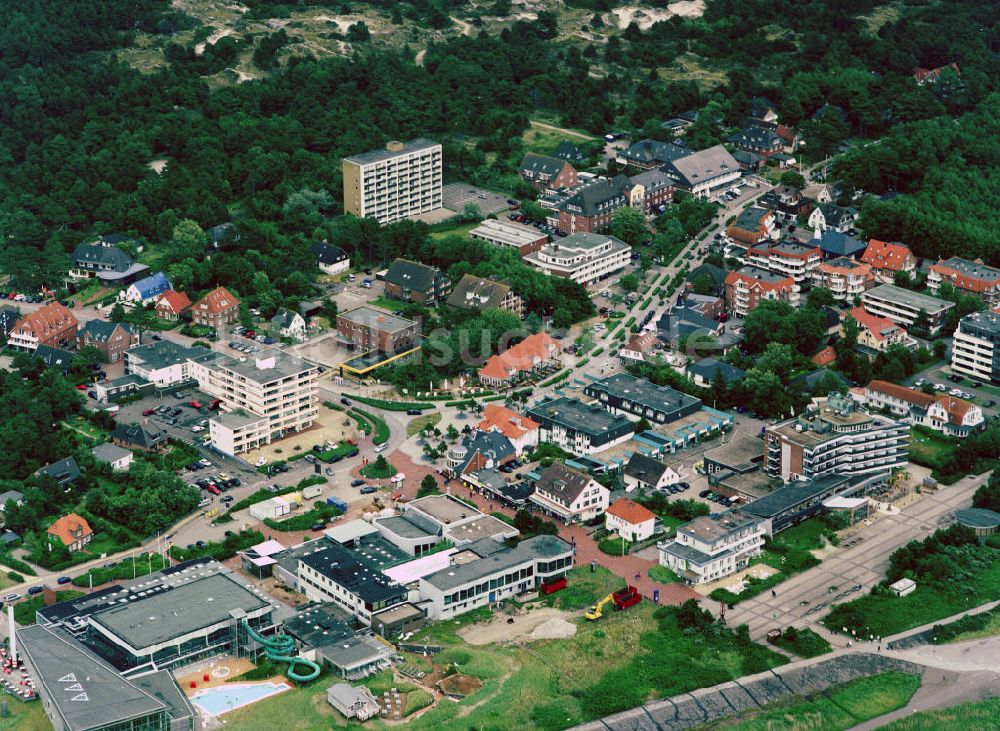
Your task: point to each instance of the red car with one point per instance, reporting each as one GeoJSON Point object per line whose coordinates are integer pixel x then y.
{"type": "Point", "coordinates": [194, 404]}
{"type": "Point", "coordinates": [149, 412]}
{"type": "Point", "coordinates": [214, 490]}
{"type": "Point", "coordinates": [82, 387]}
{"type": "Point", "coordinates": [250, 334]}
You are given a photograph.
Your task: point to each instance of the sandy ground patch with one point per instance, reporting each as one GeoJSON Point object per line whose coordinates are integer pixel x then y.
{"type": "Point", "coordinates": [219, 671]}
{"type": "Point", "coordinates": [737, 582]}
{"type": "Point", "coordinates": [216, 36]}
{"type": "Point", "coordinates": [646, 17]}
{"type": "Point", "coordinates": [548, 622]}
{"type": "Point", "coordinates": [329, 426]}
{"type": "Point", "coordinates": [157, 165]}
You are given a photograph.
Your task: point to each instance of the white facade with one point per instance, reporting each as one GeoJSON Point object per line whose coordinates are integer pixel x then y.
{"type": "Point", "coordinates": [630, 531]}
{"type": "Point", "coordinates": [163, 376]}
{"type": "Point", "coordinates": [975, 350]}
{"type": "Point", "coordinates": [337, 267]}
{"type": "Point", "coordinates": [402, 181]}
{"type": "Point", "coordinates": [584, 258]}
{"type": "Point", "coordinates": [669, 477]}
{"type": "Point", "coordinates": [591, 502]}
{"type": "Point", "coordinates": [707, 549]}
{"type": "Point", "coordinates": [296, 328]}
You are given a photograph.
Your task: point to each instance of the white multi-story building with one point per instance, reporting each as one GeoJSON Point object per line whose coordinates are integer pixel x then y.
{"type": "Point", "coordinates": [846, 278]}
{"type": "Point", "coordinates": [164, 363]}
{"type": "Point", "coordinates": [570, 495]}
{"type": "Point", "coordinates": [707, 548]}
{"type": "Point", "coordinates": [267, 397]}
{"type": "Point", "coordinates": [787, 258]}
{"type": "Point", "coordinates": [903, 306]}
{"type": "Point", "coordinates": [975, 349]}
{"type": "Point", "coordinates": [582, 257]}
{"type": "Point", "coordinates": [403, 180]}
{"type": "Point", "coordinates": [487, 571]}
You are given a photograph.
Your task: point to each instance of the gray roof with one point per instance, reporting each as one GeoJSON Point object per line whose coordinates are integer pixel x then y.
{"type": "Point", "coordinates": [53, 357]}
{"type": "Point", "coordinates": [708, 367]}
{"type": "Point", "coordinates": [478, 293]}
{"type": "Point", "coordinates": [81, 688]}
{"type": "Point", "coordinates": [645, 468]}
{"type": "Point", "coordinates": [139, 435]}
{"type": "Point", "coordinates": [756, 136]}
{"type": "Point", "coordinates": [834, 215]}
{"type": "Point", "coordinates": [236, 419]}
{"type": "Point", "coordinates": [840, 244]}
{"type": "Point", "coordinates": [491, 444]}
{"type": "Point", "coordinates": [750, 219]}
{"type": "Point", "coordinates": [412, 275]}
{"type": "Point", "coordinates": [645, 392]}
{"type": "Point", "coordinates": [366, 158]}
{"type": "Point", "coordinates": [108, 452]}
{"type": "Point", "coordinates": [647, 151]}
{"type": "Point", "coordinates": [701, 166]}
{"type": "Point", "coordinates": [762, 274]}
{"type": "Point", "coordinates": [284, 318]}
{"type": "Point", "coordinates": [163, 354]}
{"type": "Point", "coordinates": [185, 608]}
{"type": "Point", "coordinates": [267, 366]}
{"type": "Point", "coordinates": [161, 684]}
{"type": "Point", "coordinates": [590, 419]}
{"type": "Point", "coordinates": [568, 151]}
{"type": "Point", "coordinates": [494, 558]}
{"type": "Point", "coordinates": [596, 196]}
{"type": "Point", "coordinates": [541, 164]}
{"type": "Point", "coordinates": [8, 318]}
{"type": "Point", "coordinates": [319, 625]}
{"type": "Point", "coordinates": [915, 300]}
{"type": "Point", "coordinates": [564, 483]}
{"type": "Point", "coordinates": [652, 180]}
{"type": "Point", "coordinates": [792, 494]}
{"type": "Point", "coordinates": [327, 253]}
{"type": "Point", "coordinates": [985, 321]}
{"type": "Point", "coordinates": [152, 285]}
{"type": "Point", "coordinates": [102, 254]}
{"type": "Point", "coordinates": [403, 527]}
{"type": "Point", "coordinates": [100, 331]}
{"type": "Point", "coordinates": [377, 319]}
{"type": "Point", "coordinates": [63, 471]}
{"type": "Point", "coordinates": [579, 243]}
{"type": "Point", "coordinates": [507, 232]}
{"type": "Point", "coordinates": [972, 269]}
{"type": "Point", "coordinates": [978, 518]}
{"type": "Point", "coordinates": [347, 569]}
{"type": "Point", "coordinates": [9, 495]}
{"type": "Point", "coordinates": [744, 452]}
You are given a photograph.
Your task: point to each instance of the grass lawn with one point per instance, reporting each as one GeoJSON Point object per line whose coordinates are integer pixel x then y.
{"type": "Point", "coordinates": [25, 717]}
{"type": "Point", "coordinates": [377, 471]}
{"type": "Point", "coordinates": [990, 628]}
{"type": "Point", "coordinates": [929, 448]}
{"type": "Point", "coordinates": [420, 422]}
{"type": "Point", "coordinates": [86, 429]}
{"type": "Point", "coordinates": [963, 717]}
{"type": "Point", "coordinates": [803, 642]}
{"type": "Point", "coordinates": [544, 140]}
{"type": "Point", "coordinates": [969, 627]}
{"type": "Point", "coordinates": [462, 230]}
{"type": "Point", "coordinates": [385, 303]}
{"type": "Point", "coordinates": [663, 575]}
{"type": "Point", "coordinates": [840, 707]}
{"type": "Point", "coordinates": [24, 612]}
{"type": "Point", "coordinates": [613, 546]}
{"type": "Point", "coordinates": [105, 543]}
{"type": "Point", "coordinates": [882, 614]}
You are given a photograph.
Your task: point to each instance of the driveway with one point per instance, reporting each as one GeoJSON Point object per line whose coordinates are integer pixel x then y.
{"type": "Point", "coordinates": [862, 563]}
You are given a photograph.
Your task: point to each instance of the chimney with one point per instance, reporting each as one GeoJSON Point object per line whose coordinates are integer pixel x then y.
{"type": "Point", "coordinates": [394, 146]}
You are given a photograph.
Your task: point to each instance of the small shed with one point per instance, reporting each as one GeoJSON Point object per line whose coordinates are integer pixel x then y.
{"type": "Point", "coordinates": [352, 702]}
{"type": "Point", "coordinates": [903, 587]}
{"type": "Point", "coordinates": [273, 508]}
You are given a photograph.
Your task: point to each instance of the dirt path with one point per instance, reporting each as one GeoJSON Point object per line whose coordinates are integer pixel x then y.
{"type": "Point", "coordinates": [419, 59]}
{"type": "Point", "coordinates": [563, 130]}
{"type": "Point", "coordinates": [462, 25]}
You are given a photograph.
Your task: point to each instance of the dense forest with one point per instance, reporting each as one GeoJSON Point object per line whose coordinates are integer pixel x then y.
{"type": "Point", "coordinates": [78, 128]}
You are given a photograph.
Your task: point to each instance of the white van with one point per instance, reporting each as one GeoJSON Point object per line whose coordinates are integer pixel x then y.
{"type": "Point", "coordinates": [381, 448]}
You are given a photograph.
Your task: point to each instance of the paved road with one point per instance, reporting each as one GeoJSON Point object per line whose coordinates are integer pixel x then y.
{"type": "Point", "coordinates": [862, 563]}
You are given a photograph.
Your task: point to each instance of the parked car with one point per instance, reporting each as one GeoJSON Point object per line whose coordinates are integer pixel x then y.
{"type": "Point", "coordinates": [214, 490]}
{"type": "Point", "coordinates": [82, 387]}
{"type": "Point", "coordinates": [414, 412]}
{"type": "Point", "coordinates": [63, 580]}
{"type": "Point", "coordinates": [368, 490]}
{"type": "Point", "coordinates": [345, 401]}
{"type": "Point", "coordinates": [35, 590]}
{"type": "Point", "coordinates": [357, 483]}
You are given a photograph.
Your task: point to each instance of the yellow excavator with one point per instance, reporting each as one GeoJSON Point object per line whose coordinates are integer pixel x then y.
{"type": "Point", "coordinates": [622, 599]}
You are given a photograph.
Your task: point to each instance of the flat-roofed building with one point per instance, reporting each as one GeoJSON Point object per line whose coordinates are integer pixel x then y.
{"type": "Point", "coordinates": [802, 499]}
{"type": "Point", "coordinates": [339, 575]}
{"type": "Point", "coordinates": [163, 363]}
{"type": "Point", "coordinates": [402, 180]}
{"type": "Point", "coordinates": [577, 427]}
{"type": "Point", "coordinates": [835, 437]}
{"type": "Point", "coordinates": [486, 572]}
{"type": "Point", "coordinates": [623, 393]}
{"type": "Point", "coordinates": [507, 233]}
{"type": "Point", "coordinates": [902, 306]}
{"type": "Point", "coordinates": [710, 548]}
{"type": "Point", "coordinates": [367, 328]}
{"type": "Point", "coordinates": [583, 257]}
{"type": "Point", "coordinates": [278, 389]}
{"type": "Point", "coordinates": [975, 350]}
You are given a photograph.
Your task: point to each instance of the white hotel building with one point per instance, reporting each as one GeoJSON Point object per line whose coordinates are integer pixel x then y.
{"type": "Point", "coordinates": [583, 257]}
{"type": "Point", "coordinates": [707, 549]}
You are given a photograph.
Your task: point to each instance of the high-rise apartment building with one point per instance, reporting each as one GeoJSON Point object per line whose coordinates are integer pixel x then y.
{"type": "Point", "coordinates": [400, 181]}
{"type": "Point", "coordinates": [975, 350]}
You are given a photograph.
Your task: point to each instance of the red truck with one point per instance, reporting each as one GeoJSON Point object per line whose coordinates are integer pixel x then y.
{"type": "Point", "coordinates": [214, 406]}
{"type": "Point", "coordinates": [627, 597]}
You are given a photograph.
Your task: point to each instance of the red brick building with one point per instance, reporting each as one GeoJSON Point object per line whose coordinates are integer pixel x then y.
{"type": "Point", "coordinates": [111, 338]}
{"type": "Point", "coordinates": [747, 287]}
{"type": "Point", "coordinates": [545, 172]}
{"type": "Point", "coordinates": [171, 304]}
{"type": "Point", "coordinates": [216, 309]}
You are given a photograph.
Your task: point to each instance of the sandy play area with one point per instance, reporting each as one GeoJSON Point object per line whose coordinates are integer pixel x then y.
{"type": "Point", "coordinates": [737, 582]}
{"type": "Point", "coordinates": [537, 624]}
{"type": "Point", "coordinates": [645, 17]}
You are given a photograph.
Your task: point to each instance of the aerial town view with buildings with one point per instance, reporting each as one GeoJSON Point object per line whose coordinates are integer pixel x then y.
{"type": "Point", "coordinates": [499, 366]}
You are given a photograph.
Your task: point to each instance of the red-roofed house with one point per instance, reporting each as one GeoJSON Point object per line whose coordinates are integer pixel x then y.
{"type": "Point", "coordinates": [845, 277]}
{"type": "Point", "coordinates": [216, 309]}
{"type": "Point", "coordinates": [932, 76]}
{"type": "Point", "coordinates": [73, 531]}
{"type": "Point", "coordinates": [51, 325]}
{"type": "Point", "coordinates": [171, 304]}
{"type": "Point", "coordinates": [825, 357]}
{"type": "Point", "coordinates": [520, 361]}
{"type": "Point", "coordinates": [886, 259]}
{"type": "Point", "coordinates": [746, 287]}
{"type": "Point", "coordinates": [877, 333]}
{"type": "Point", "coordinates": [630, 520]}
{"type": "Point", "coordinates": [639, 346]}
{"type": "Point", "coordinates": [971, 277]}
{"type": "Point", "coordinates": [953, 416]}
{"type": "Point", "coordinates": [520, 430]}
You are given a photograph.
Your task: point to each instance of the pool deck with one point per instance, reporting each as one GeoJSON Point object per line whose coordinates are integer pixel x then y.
{"type": "Point", "coordinates": [221, 670]}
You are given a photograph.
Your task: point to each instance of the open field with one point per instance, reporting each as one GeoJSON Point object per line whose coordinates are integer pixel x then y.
{"type": "Point", "coordinates": [461, 230]}
{"type": "Point", "coordinates": [419, 423]}
{"type": "Point", "coordinates": [25, 717]}
{"type": "Point", "coordinates": [840, 707]}
{"type": "Point", "coordinates": [963, 717]}
{"type": "Point", "coordinates": [543, 138]}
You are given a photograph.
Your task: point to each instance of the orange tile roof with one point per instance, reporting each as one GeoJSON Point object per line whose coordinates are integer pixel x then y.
{"type": "Point", "coordinates": [883, 255]}
{"type": "Point", "coordinates": [909, 395]}
{"type": "Point", "coordinates": [631, 512]}
{"type": "Point", "coordinates": [961, 280]}
{"type": "Point", "coordinates": [825, 357]}
{"type": "Point", "coordinates": [643, 342]}
{"type": "Point", "coordinates": [176, 301]}
{"type": "Point", "coordinates": [520, 357]}
{"type": "Point", "coordinates": [70, 528]}
{"type": "Point", "coordinates": [874, 324]}
{"type": "Point", "coordinates": [216, 301]}
{"type": "Point", "coordinates": [956, 408]}
{"type": "Point", "coordinates": [47, 321]}
{"type": "Point", "coordinates": [509, 423]}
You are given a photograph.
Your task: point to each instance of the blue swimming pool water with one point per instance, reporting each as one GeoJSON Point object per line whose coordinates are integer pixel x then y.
{"type": "Point", "coordinates": [229, 697]}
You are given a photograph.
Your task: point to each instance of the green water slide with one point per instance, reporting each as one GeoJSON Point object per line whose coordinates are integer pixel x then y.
{"type": "Point", "coordinates": [281, 648]}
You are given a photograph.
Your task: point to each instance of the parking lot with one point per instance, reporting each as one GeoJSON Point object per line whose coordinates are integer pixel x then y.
{"type": "Point", "coordinates": [456, 195]}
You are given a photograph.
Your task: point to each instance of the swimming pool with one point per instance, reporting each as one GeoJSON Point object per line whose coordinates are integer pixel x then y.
{"type": "Point", "coordinates": [231, 696]}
